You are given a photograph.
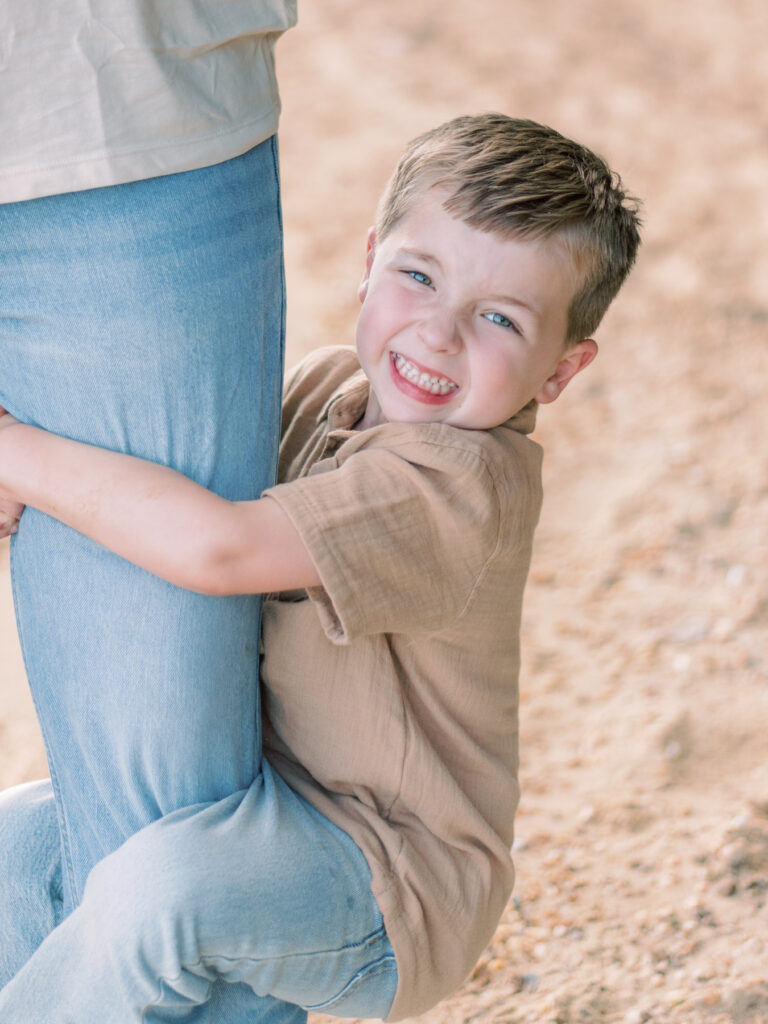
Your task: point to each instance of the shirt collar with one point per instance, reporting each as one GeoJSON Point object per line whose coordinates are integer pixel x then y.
{"type": "Point", "coordinates": [347, 403]}
{"type": "Point", "coordinates": [525, 420]}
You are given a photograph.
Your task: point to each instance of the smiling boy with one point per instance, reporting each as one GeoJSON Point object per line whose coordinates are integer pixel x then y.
{"type": "Point", "coordinates": [481, 320]}
{"type": "Point", "coordinates": [368, 865]}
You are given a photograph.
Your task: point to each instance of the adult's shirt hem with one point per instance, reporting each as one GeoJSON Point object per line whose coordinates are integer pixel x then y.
{"type": "Point", "coordinates": [100, 170]}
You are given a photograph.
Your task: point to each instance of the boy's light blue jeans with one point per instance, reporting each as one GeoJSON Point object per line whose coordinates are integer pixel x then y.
{"type": "Point", "coordinates": [257, 888]}
{"type": "Point", "coordinates": [148, 318]}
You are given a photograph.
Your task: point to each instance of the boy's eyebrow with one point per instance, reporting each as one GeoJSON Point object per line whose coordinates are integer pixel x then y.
{"type": "Point", "coordinates": [512, 301]}
{"type": "Point", "coordinates": [418, 255]}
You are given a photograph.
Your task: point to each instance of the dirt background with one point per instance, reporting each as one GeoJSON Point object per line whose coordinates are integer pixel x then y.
{"type": "Point", "coordinates": [642, 847]}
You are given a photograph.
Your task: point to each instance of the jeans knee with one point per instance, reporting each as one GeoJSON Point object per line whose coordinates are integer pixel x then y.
{"type": "Point", "coordinates": [144, 895]}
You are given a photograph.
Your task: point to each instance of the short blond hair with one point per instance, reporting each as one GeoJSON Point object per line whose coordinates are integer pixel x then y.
{"type": "Point", "coordinates": [520, 179]}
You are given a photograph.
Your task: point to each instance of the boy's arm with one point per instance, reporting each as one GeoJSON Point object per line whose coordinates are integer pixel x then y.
{"type": "Point", "coordinates": [154, 516]}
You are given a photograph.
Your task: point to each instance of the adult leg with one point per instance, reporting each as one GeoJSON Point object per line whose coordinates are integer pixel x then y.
{"type": "Point", "coordinates": [257, 888]}
{"type": "Point", "coordinates": [147, 318]}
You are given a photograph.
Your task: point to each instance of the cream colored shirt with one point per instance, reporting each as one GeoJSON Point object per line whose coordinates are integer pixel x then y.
{"type": "Point", "coordinates": [99, 92]}
{"type": "Point", "coordinates": [391, 691]}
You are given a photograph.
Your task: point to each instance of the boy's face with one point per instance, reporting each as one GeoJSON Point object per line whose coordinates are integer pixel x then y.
{"type": "Point", "coordinates": [460, 326]}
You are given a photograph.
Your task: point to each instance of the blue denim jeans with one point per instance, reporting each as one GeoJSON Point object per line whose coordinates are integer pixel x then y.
{"type": "Point", "coordinates": [258, 889]}
{"type": "Point", "coordinates": [148, 318]}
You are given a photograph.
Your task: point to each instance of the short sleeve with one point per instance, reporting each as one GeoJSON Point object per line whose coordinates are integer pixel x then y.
{"type": "Point", "coordinates": [400, 536]}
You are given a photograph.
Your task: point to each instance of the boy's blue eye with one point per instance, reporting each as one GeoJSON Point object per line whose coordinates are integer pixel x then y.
{"type": "Point", "coordinates": [501, 320]}
{"type": "Point", "coordinates": [418, 276]}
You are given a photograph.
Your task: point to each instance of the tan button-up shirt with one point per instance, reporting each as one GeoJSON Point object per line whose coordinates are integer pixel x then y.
{"type": "Point", "coordinates": [391, 691]}
{"type": "Point", "coordinates": [99, 92]}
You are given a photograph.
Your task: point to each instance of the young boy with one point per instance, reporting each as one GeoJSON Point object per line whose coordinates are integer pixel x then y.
{"type": "Point", "coordinates": [368, 865]}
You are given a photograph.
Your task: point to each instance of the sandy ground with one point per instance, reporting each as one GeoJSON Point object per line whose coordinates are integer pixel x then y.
{"type": "Point", "coordinates": [642, 847]}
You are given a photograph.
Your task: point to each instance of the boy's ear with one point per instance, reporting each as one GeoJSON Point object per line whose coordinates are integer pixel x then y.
{"type": "Point", "coordinates": [370, 252]}
{"type": "Point", "coordinates": [576, 359]}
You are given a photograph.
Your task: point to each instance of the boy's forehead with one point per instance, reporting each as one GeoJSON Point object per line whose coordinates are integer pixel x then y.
{"type": "Point", "coordinates": [429, 203]}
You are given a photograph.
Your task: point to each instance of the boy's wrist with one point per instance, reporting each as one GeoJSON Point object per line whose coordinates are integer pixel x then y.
{"type": "Point", "coordinates": [13, 439]}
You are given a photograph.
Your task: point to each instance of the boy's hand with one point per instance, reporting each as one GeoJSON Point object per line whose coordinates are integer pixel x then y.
{"type": "Point", "coordinates": [8, 525]}
{"type": "Point", "coordinates": [10, 509]}
{"type": "Point", "coordinates": [9, 420]}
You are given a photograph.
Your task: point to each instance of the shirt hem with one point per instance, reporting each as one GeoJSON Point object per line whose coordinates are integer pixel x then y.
{"type": "Point", "coordinates": [105, 169]}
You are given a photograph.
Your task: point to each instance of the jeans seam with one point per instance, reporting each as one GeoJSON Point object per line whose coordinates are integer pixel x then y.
{"type": "Point", "coordinates": [279, 214]}
{"type": "Point", "coordinates": [165, 979]}
{"type": "Point", "coordinates": [381, 966]}
{"type": "Point", "coordinates": [61, 815]}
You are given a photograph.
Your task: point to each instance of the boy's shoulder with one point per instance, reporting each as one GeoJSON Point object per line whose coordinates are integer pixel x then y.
{"type": "Point", "coordinates": [503, 459]}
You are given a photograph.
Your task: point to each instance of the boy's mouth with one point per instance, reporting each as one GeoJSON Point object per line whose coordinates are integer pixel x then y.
{"type": "Point", "coordinates": [435, 385]}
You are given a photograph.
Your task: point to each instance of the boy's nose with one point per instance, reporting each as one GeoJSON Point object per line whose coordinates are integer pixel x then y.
{"type": "Point", "coordinates": [440, 333]}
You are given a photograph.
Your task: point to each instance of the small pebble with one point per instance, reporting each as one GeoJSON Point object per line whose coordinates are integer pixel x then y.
{"type": "Point", "coordinates": [690, 631]}
{"type": "Point", "coordinates": [635, 1017]}
{"type": "Point", "coordinates": [711, 998]}
{"type": "Point", "coordinates": [735, 575]}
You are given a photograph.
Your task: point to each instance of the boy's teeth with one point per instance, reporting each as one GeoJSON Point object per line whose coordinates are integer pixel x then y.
{"type": "Point", "coordinates": [437, 385]}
